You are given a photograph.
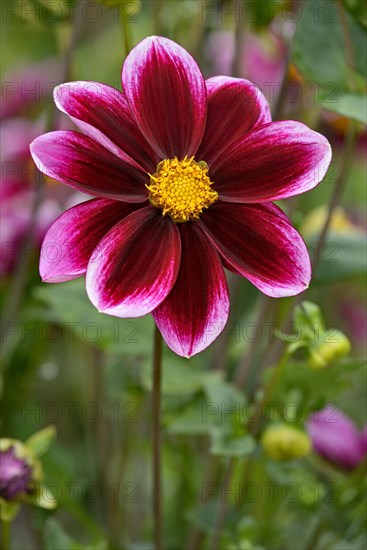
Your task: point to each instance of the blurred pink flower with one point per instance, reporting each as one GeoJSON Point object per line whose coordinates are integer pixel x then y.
{"type": "Point", "coordinates": [29, 86]}
{"type": "Point", "coordinates": [15, 475]}
{"type": "Point", "coordinates": [264, 62]}
{"type": "Point", "coordinates": [335, 437]}
{"type": "Point", "coordinates": [17, 191]}
{"type": "Point", "coordinates": [219, 49]}
{"type": "Point", "coordinates": [24, 90]}
{"type": "Point", "coordinates": [262, 59]}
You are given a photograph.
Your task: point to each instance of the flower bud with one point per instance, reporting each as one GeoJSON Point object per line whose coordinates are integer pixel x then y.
{"type": "Point", "coordinates": [282, 442]}
{"type": "Point", "coordinates": [335, 345]}
{"type": "Point", "coordinates": [15, 475]}
{"type": "Point", "coordinates": [335, 437]}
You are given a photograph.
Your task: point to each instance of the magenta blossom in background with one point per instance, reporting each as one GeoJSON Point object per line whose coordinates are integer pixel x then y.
{"type": "Point", "coordinates": [262, 58]}
{"type": "Point", "coordinates": [17, 192]}
{"type": "Point", "coordinates": [185, 172]}
{"type": "Point", "coordinates": [15, 475]}
{"type": "Point", "coordinates": [335, 437]}
{"type": "Point", "coordinates": [27, 87]}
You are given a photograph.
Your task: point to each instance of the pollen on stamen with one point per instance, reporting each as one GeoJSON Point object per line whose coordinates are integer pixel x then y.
{"type": "Point", "coordinates": [181, 188]}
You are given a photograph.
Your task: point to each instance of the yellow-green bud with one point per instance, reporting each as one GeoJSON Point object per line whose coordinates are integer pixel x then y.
{"type": "Point", "coordinates": [282, 442]}
{"type": "Point", "coordinates": [335, 345]}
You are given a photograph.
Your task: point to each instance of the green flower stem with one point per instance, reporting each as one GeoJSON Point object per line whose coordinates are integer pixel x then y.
{"type": "Point", "coordinates": [346, 165]}
{"type": "Point", "coordinates": [125, 27]}
{"type": "Point", "coordinates": [156, 414]}
{"type": "Point", "coordinates": [5, 535]}
{"type": "Point", "coordinates": [222, 512]}
{"type": "Point", "coordinates": [265, 305]}
{"type": "Point", "coordinates": [277, 374]}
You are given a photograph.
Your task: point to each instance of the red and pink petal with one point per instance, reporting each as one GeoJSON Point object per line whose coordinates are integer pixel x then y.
{"type": "Point", "coordinates": [272, 162]}
{"type": "Point", "coordinates": [235, 106]}
{"type": "Point", "coordinates": [70, 241]}
{"type": "Point", "coordinates": [135, 265]}
{"type": "Point", "coordinates": [196, 310]}
{"type": "Point", "coordinates": [258, 242]}
{"type": "Point", "coordinates": [82, 163]}
{"type": "Point", "coordinates": [167, 96]}
{"type": "Point", "coordinates": [102, 113]}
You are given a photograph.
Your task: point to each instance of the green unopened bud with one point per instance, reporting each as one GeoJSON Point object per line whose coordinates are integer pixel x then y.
{"type": "Point", "coordinates": [335, 345]}
{"type": "Point", "coordinates": [282, 442]}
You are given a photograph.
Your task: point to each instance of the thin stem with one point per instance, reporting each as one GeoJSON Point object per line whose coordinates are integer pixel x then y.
{"type": "Point", "coordinates": [278, 371]}
{"type": "Point", "coordinates": [346, 164]}
{"type": "Point", "coordinates": [222, 512]}
{"type": "Point", "coordinates": [5, 535]}
{"type": "Point", "coordinates": [239, 53]}
{"type": "Point", "coordinates": [124, 16]}
{"type": "Point", "coordinates": [347, 40]}
{"type": "Point", "coordinates": [156, 413]}
{"type": "Point", "coordinates": [265, 305]}
{"type": "Point", "coordinates": [278, 109]}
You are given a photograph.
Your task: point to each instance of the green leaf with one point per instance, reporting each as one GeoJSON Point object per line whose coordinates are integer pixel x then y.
{"type": "Point", "coordinates": [42, 497]}
{"type": "Point", "coordinates": [69, 305]}
{"type": "Point", "coordinates": [343, 257]}
{"type": "Point", "coordinates": [317, 388]}
{"type": "Point", "coordinates": [320, 52]}
{"type": "Point", "coordinates": [202, 515]}
{"type": "Point", "coordinates": [350, 105]}
{"type": "Point", "coordinates": [228, 444]}
{"type": "Point", "coordinates": [219, 391]}
{"type": "Point", "coordinates": [190, 421]}
{"type": "Point", "coordinates": [308, 319]}
{"type": "Point", "coordinates": [179, 376]}
{"type": "Point", "coordinates": [18, 35]}
{"type": "Point", "coordinates": [57, 538]}
{"type": "Point", "coordinates": [40, 441]}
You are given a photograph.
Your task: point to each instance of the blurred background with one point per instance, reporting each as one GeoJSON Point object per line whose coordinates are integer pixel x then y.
{"type": "Point", "coordinates": [85, 376]}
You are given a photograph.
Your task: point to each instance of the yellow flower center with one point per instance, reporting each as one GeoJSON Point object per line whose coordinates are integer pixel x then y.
{"type": "Point", "coordinates": [181, 188]}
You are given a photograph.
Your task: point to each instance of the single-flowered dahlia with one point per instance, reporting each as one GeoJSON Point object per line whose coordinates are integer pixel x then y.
{"type": "Point", "coordinates": [185, 172]}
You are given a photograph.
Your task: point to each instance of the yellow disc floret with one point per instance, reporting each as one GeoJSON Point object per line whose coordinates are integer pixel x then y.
{"type": "Point", "coordinates": [181, 188]}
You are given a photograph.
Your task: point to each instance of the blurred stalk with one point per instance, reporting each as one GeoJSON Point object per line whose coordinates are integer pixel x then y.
{"type": "Point", "coordinates": [282, 98]}
{"type": "Point", "coordinates": [345, 167]}
{"type": "Point", "coordinates": [222, 512]}
{"type": "Point", "coordinates": [241, 29]}
{"type": "Point", "coordinates": [277, 374]}
{"type": "Point", "coordinates": [5, 535]}
{"type": "Point", "coordinates": [157, 14]}
{"type": "Point", "coordinates": [157, 440]}
{"type": "Point", "coordinates": [125, 27]}
{"type": "Point", "coordinates": [243, 369]}
{"type": "Point", "coordinates": [100, 433]}
{"type": "Point", "coordinates": [195, 536]}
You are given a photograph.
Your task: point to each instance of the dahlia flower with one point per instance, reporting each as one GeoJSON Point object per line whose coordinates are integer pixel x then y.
{"type": "Point", "coordinates": [185, 172]}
